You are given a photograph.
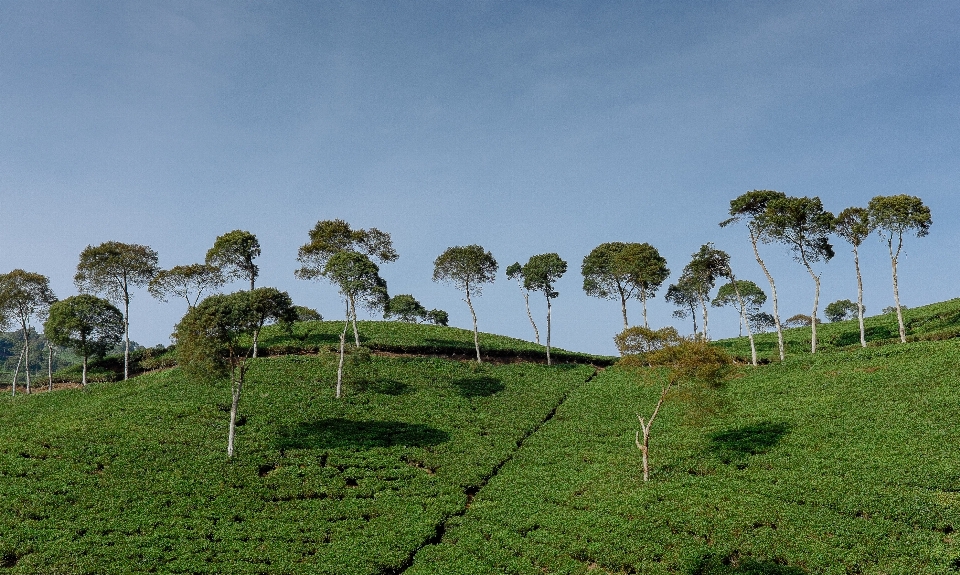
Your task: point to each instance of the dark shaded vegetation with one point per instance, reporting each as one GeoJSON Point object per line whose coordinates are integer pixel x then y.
{"type": "Point", "coordinates": [733, 564]}
{"type": "Point", "coordinates": [739, 442]}
{"type": "Point", "coordinates": [344, 433]}
{"type": "Point", "coordinates": [477, 386]}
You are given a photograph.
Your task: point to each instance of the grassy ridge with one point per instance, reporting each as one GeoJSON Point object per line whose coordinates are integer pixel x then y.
{"type": "Point", "coordinates": [839, 463]}
{"type": "Point", "coordinates": [932, 322]}
{"type": "Point", "coordinates": [400, 337]}
{"type": "Point", "coordinates": [133, 477]}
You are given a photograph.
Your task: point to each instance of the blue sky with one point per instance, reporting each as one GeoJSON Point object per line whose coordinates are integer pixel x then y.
{"type": "Point", "coordinates": [524, 127]}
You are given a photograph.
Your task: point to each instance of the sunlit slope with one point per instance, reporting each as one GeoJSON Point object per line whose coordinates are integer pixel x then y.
{"type": "Point", "coordinates": [932, 322]}
{"type": "Point", "coordinates": [839, 463]}
{"type": "Point", "coordinates": [411, 338]}
{"type": "Point", "coordinates": [132, 477]}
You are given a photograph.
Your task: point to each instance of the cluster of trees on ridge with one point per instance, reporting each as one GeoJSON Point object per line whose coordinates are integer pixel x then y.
{"type": "Point", "coordinates": [220, 332]}
{"type": "Point", "coordinates": [348, 258]}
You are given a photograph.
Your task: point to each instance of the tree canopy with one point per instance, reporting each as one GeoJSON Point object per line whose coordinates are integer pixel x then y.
{"type": "Point", "coordinates": [331, 237]}
{"type": "Point", "coordinates": [751, 208]}
{"type": "Point", "coordinates": [215, 338]}
{"type": "Point", "coordinates": [233, 253]}
{"type": "Point", "coordinates": [805, 227]}
{"type": "Point", "coordinates": [24, 295]}
{"type": "Point", "coordinates": [618, 270]}
{"type": "Point", "coordinates": [467, 268]}
{"type": "Point", "coordinates": [112, 269]}
{"type": "Point", "coordinates": [539, 274]}
{"type": "Point", "coordinates": [189, 282]}
{"type": "Point", "coordinates": [88, 325]}
{"type": "Point", "coordinates": [892, 217]}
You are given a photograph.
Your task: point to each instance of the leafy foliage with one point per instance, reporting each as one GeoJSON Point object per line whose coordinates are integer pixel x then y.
{"type": "Point", "coordinates": [840, 310]}
{"type": "Point", "coordinates": [88, 325]}
{"type": "Point", "coordinates": [189, 282]}
{"type": "Point", "coordinates": [112, 268]}
{"type": "Point", "coordinates": [405, 307]}
{"type": "Point", "coordinates": [233, 254]}
{"type": "Point", "coordinates": [618, 270]}
{"type": "Point", "coordinates": [465, 267]}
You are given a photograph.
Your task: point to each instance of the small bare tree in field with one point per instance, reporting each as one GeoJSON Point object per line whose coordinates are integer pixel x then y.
{"type": "Point", "coordinates": [676, 362]}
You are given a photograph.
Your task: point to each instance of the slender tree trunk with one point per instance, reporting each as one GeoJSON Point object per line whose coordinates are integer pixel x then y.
{"type": "Point", "coordinates": [49, 367]}
{"type": "Point", "coordinates": [644, 445]}
{"type": "Point", "coordinates": [816, 303]}
{"type": "Point", "coordinates": [623, 307]}
{"type": "Point", "coordinates": [703, 306]}
{"type": "Point", "coordinates": [773, 292]}
{"type": "Point", "coordinates": [643, 299]}
{"type": "Point", "coordinates": [234, 406]}
{"type": "Point", "coordinates": [352, 312]}
{"type": "Point", "coordinates": [343, 341]}
{"type": "Point", "coordinates": [16, 373]}
{"type": "Point", "coordinates": [526, 300]}
{"type": "Point", "coordinates": [126, 335]}
{"type": "Point", "coordinates": [256, 338]}
{"type": "Point", "coordinates": [856, 263]}
{"type": "Point", "coordinates": [476, 334]}
{"type": "Point", "coordinates": [548, 330]}
{"type": "Point", "coordinates": [896, 291]}
{"type": "Point", "coordinates": [343, 344]}
{"type": "Point", "coordinates": [693, 314]}
{"type": "Point", "coordinates": [26, 353]}
{"type": "Point", "coordinates": [83, 379]}
{"type": "Point", "coordinates": [744, 320]}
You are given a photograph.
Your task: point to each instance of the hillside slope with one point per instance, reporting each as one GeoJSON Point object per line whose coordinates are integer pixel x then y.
{"type": "Point", "coordinates": [842, 462]}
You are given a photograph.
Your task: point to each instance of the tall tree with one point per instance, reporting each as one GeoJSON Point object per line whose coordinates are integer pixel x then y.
{"type": "Point", "coordinates": [539, 274]}
{"type": "Point", "coordinates": [893, 216]}
{"type": "Point", "coordinates": [744, 295]}
{"type": "Point", "coordinates": [625, 271]}
{"type": "Point", "coordinates": [748, 298]}
{"type": "Point", "coordinates": [88, 325]}
{"type": "Point", "coordinates": [25, 295]}
{"type": "Point", "coordinates": [330, 237]}
{"type": "Point", "coordinates": [214, 339]}
{"type": "Point", "coordinates": [113, 269]}
{"type": "Point", "coordinates": [704, 268]}
{"type": "Point", "coordinates": [805, 227]}
{"type": "Point", "coordinates": [853, 225]}
{"type": "Point", "coordinates": [189, 282]}
{"type": "Point", "coordinates": [467, 268]}
{"type": "Point", "coordinates": [233, 253]}
{"type": "Point", "coordinates": [751, 208]}
{"type": "Point", "coordinates": [684, 295]}
{"type": "Point", "coordinates": [515, 272]}
{"type": "Point", "coordinates": [359, 281]}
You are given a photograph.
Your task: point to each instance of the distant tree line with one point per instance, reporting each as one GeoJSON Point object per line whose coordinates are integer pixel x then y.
{"type": "Point", "coordinates": [97, 318]}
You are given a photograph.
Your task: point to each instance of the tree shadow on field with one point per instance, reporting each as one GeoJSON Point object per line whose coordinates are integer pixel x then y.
{"type": "Point", "coordinates": [733, 564]}
{"type": "Point", "coordinates": [384, 386]}
{"type": "Point", "coordinates": [477, 386]}
{"type": "Point", "coordinates": [738, 443]}
{"type": "Point", "coordinates": [338, 432]}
